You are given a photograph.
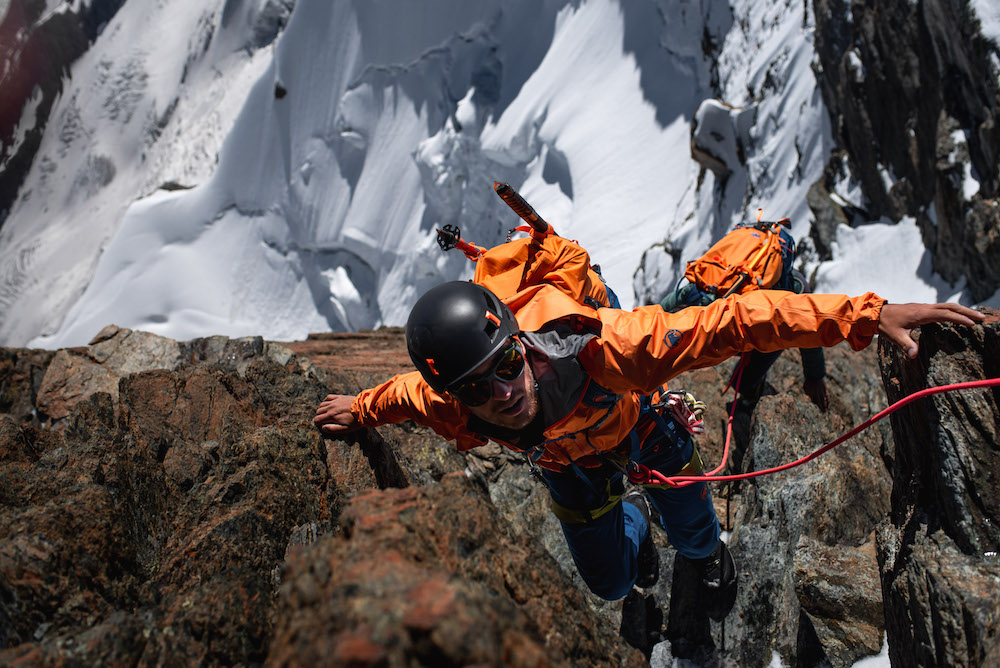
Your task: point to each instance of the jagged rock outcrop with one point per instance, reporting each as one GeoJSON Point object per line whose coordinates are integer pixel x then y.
{"type": "Point", "coordinates": [913, 98]}
{"type": "Point", "coordinates": [803, 538]}
{"type": "Point", "coordinates": [427, 576]}
{"type": "Point", "coordinates": [194, 515]}
{"type": "Point", "coordinates": [180, 520]}
{"type": "Point", "coordinates": [148, 531]}
{"type": "Point", "coordinates": [938, 549]}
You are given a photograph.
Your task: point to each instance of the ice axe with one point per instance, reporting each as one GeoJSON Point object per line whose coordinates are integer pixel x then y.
{"type": "Point", "coordinates": [539, 228]}
{"type": "Point", "coordinates": [451, 235]}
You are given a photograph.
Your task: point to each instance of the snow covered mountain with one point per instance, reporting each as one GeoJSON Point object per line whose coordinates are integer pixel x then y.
{"type": "Point", "coordinates": [279, 167]}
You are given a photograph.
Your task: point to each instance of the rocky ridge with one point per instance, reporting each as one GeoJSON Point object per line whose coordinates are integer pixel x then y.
{"type": "Point", "coordinates": [170, 502]}
{"type": "Point", "coordinates": [912, 94]}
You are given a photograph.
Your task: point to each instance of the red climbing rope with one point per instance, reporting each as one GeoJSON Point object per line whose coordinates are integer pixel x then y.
{"type": "Point", "coordinates": [645, 475]}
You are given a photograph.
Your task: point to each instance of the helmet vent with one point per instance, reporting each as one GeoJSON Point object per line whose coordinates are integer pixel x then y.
{"type": "Point", "coordinates": [492, 319]}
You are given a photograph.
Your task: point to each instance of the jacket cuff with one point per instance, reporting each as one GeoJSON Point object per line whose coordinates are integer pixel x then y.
{"type": "Point", "coordinates": [869, 310]}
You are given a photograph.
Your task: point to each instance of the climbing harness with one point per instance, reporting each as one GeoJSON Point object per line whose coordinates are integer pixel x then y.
{"type": "Point", "coordinates": [687, 413]}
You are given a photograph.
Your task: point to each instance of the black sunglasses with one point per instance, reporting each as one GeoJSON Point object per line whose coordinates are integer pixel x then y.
{"type": "Point", "coordinates": [478, 390]}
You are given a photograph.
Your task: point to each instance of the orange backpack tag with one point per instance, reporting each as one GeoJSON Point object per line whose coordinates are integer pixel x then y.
{"type": "Point", "coordinates": [750, 257]}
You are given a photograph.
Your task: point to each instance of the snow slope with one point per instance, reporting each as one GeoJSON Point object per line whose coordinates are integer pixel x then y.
{"type": "Point", "coordinates": [325, 145]}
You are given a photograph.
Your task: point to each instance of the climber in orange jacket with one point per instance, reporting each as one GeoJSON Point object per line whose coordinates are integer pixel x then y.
{"type": "Point", "coordinates": [569, 386]}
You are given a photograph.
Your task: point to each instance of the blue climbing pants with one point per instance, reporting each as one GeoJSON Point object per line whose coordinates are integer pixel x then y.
{"type": "Point", "coordinates": [605, 548]}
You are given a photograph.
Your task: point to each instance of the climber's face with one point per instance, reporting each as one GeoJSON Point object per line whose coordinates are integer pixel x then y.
{"type": "Point", "coordinates": [508, 381]}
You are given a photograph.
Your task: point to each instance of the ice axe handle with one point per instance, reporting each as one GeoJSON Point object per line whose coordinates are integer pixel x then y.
{"type": "Point", "coordinates": [521, 207]}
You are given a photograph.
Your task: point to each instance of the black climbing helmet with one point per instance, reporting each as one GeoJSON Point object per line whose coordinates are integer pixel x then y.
{"type": "Point", "coordinates": [455, 327]}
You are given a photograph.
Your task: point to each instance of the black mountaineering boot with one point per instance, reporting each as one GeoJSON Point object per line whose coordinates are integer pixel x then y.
{"type": "Point", "coordinates": [634, 622]}
{"type": "Point", "coordinates": [642, 621]}
{"type": "Point", "coordinates": [649, 558]}
{"type": "Point", "coordinates": [718, 578]}
{"type": "Point", "coordinates": [718, 570]}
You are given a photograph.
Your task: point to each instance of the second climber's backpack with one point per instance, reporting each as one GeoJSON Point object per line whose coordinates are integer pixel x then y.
{"type": "Point", "coordinates": [753, 256]}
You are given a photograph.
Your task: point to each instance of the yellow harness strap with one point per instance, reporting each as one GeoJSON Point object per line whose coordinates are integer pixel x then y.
{"type": "Point", "coordinates": [587, 515]}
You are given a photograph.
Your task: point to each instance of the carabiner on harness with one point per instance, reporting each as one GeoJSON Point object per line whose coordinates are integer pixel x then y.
{"type": "Point", "coordinates": [687, 410]}
{"type": "Point", "coordinates": [639, 474]}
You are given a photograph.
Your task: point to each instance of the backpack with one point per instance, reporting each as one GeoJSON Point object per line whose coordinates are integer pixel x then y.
{"type": "Point", "coordinates": [544, 262]}
{"type": "Point", "coordinates": [519, 272]}
{"type": "Point", "coordinates": [752, 256]}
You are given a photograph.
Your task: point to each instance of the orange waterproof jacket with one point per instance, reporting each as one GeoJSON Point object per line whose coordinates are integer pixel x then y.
{"type": "Point", "coordinates": [632, 353]}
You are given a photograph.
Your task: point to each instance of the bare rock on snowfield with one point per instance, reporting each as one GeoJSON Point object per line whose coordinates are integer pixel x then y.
{"type": "Point", "coordinates": [912, 93]}
{"type": "Point", "coordinates": [718, 135]}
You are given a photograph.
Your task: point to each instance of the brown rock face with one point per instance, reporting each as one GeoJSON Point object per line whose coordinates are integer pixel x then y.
{"type": "Point", "coordinates": [200, 519]}
{"type": "Point", "coordinates": [194, 516]}
{"type": "Point", "coordinates": [427, 576]}
{"type": "Point", "coordinates": [153, 537]}
{"type": "Point", "coordinates": [938, 551]}
{"type": "Point", "coordinates": [21, 373]}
